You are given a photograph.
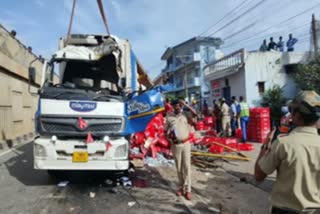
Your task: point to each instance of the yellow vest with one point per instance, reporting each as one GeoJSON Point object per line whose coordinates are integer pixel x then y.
{"type": "Point", "coordinates": [244, 109]}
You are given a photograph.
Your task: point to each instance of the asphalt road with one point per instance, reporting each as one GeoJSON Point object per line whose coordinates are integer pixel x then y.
{"type": "Point", "coordinates": [25, 190]}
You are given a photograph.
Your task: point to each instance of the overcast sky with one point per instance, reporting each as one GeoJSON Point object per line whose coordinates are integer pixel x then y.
{"type": "Point", "coordinates": [153, 25]}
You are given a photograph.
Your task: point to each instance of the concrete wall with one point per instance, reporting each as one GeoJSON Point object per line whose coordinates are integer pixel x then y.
{"type": "Point", "coordinates": [269, 68]}
{"type": "Point", "coordinates": [236, 83]}
{"type": "Point", "coordinates": [17, 106]}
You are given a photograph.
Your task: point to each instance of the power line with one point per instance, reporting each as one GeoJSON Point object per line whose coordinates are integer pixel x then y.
{"type": "Point", "coordinates": [225, 16]}
{"type": "Point", "coordinates": [284, 21]}
{"type": "Point", "coordinates": [241, 30]}
{"type": "Point", "coordinates": [258, 20]}
{"type": "Point", "coordinates": [239, 16]}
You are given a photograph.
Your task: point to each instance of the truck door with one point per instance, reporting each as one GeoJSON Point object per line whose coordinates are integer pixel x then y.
{"type": "Point", "coordinates": [140, 108]}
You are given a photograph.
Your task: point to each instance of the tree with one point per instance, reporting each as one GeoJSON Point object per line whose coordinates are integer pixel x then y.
{"type": "Point", "coordinates": [274, 99]}
{"type": "Point", "coordinates": [307, 76]}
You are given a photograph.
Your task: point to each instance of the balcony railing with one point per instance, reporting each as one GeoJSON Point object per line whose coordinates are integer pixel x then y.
{"type": "Point", "coordinates": [195, 57]}
{"type": "Point", "coordinates": [232, 60]}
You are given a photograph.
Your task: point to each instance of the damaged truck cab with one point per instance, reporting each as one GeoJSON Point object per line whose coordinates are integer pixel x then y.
{"type": "Point", "coordinates": [84, 120]}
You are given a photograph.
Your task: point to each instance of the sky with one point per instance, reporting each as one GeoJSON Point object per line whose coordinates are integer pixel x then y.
{"type": "Point", "coordinates": [153, 25]}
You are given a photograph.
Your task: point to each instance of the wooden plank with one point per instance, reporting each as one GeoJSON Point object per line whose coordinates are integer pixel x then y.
{"type": "Point", "coordinates": [204, 154]}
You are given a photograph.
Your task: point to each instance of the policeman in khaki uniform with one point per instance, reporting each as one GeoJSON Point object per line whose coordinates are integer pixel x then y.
{"type": "Point", "coordinates": [296, 157]}
{"type": "Point", "coordinates": [178, 129]}
{"type": "Point", "coordinates": [225, 117]}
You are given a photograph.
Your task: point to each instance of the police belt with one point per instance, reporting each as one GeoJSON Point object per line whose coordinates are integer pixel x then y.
{"type": "Point", "coordinates": [180, 141]}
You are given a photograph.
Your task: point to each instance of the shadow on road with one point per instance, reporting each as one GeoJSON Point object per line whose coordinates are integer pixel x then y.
{"type": "Point", "coordinates": [150, 192]}
{"type": "Point", "coordinates": [266, 185]}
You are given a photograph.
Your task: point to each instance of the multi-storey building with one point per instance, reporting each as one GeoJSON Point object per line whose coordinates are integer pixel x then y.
{"type": "Point", "coordinates": [185, 63]}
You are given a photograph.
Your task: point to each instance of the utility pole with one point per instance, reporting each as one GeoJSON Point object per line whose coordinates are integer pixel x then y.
{"type": "Point", "coordinates": [314, 34]}
{"type": "Point", "coordinates": [185, 81]}
{"type": "Point", "coordinates": [184, 61]}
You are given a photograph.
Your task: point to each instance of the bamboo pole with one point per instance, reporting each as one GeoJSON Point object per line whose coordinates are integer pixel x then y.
{"type": "Point", "coordinates": [205, 154]}
{"type": "Point", "coordinates": [229, 148]}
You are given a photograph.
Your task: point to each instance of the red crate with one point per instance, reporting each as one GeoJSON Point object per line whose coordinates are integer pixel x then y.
{"type": "Point", "coordinates": [260, 119]}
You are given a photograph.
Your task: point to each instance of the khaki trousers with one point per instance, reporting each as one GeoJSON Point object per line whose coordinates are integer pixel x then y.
{"type": "Point", "coordinates": [226, 126]}
{"type": "Point", "coordinates": [182, 157]}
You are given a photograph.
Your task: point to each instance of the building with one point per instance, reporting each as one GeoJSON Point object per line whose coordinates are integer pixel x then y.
{"type": "Point", "coordinates": [184, 66]}
{"type": "Point", "coordinates": [250, 74]}
{"type": "Point", "coordinates": [17, 105]}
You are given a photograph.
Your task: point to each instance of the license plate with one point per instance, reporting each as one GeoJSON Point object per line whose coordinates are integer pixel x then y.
{"type": "Point", "coordinates": [80, 157]}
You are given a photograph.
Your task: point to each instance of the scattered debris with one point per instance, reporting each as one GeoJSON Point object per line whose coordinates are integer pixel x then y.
{"type": "Point", "coordinates": [113, 191]}
{"type": "Point", "coordinates": [160, 161]}
{"type": "Point", "coordinates": [141, 183]}
{"type": "Point", "coordinates": [63, 183]}
{"type": "Point", "coordinates": [137, 163]}
{"type": "Point", "coordinates": [234, 157]}
{"type": "Point", "coordinates": [131, 203]}
{"type": "Point", "coordinates": [214, 210]}
{"type": "Point", "coordinates": [244, 180]}
{"type": "Point", "coordinates": [204, 162]}
{"type": "Point", "coordinates": [126, 182]}
{"type": "Point", "coordinates": [108, 182]}
{"type": "Point", "coordinates": [92, 194]}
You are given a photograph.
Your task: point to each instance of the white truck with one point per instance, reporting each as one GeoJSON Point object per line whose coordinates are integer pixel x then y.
{"type": "Point", "coordinates": [83, 120]}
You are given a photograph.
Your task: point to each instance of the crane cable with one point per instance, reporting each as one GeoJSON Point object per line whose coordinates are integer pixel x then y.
{"type": "Point", "coordinates": [105, 22]}
{"type": "Point", "coordinates": [70, 23]}
{"type": "Point", "coordinates": [104, 19]}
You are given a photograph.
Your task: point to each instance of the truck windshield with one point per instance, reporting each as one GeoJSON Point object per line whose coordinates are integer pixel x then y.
{"type": "Point", "coordinates": [90, 80]}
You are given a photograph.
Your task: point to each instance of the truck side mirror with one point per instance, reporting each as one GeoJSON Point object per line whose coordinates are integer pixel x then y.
{"type": "Point", "coordinates": [123, 82]}
{"type": "Point", "coordinates": [32, 78]}
{"type": "Point", "coordinates": [32, 74]}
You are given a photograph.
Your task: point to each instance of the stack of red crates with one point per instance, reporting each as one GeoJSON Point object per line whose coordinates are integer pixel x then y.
{"type": "Point", "coordinates": [259, 124]}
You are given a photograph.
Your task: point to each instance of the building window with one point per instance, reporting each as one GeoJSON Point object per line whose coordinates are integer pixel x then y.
{"type": "Point", "coordinates": [261, 88]}
{"type": "Point", "coordinates": [226, 81]}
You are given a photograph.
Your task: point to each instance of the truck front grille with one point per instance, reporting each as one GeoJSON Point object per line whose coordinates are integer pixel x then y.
{"type": "Point", "coordinates": [70, 126]}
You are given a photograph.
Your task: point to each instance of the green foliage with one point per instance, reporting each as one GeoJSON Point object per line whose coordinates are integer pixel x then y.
{"type": "Point", "coordinates": [171, 97]}
{"type": "Point", "coordinates": [307, 77]}
{"type": "Point", "coordinates": [274, 99]}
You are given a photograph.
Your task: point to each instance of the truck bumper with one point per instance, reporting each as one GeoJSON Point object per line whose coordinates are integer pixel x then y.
{"type": "Point", "coordinates": [58, 155]}
{"type": "Point", "coordinates": [90, 165]}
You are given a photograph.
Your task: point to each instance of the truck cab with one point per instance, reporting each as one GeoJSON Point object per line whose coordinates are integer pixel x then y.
{"type": "Point", "coordinates": [83, 120]}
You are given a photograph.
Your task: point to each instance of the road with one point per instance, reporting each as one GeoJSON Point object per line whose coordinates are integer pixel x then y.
{"type": "Point", "coordinates": [25, 190]}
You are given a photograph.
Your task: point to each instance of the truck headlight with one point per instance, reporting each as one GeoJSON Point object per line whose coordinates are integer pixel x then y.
{"type": "Point", "coordinates": [39, 151]}
{"type": "Point", "coordinates": [121, 151]}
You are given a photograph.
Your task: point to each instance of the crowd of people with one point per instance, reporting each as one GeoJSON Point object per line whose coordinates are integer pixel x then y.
{"type": "Point", "coordinates": [231, 116]}
{"type": "Point", "coordinates": [279, 46]}
{"type": "Point", "coordinates": [293, 154]}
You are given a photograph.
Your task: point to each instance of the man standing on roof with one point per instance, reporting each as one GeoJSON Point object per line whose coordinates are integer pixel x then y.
{"type": "Point", "coordinates": [243, 114]}
{"type": "Point", "coordinates": [272, 45]}
{"type": "Point", "coordinates": [280, 45]}
{"type": "Point", "coordinates": [264, 46]}
{"type": "Point", "coordinates": [178, 130]}
{"type": "Point", "coordinates": [291, 42]}
{"type": "Point", "coordinates": [295, 156]}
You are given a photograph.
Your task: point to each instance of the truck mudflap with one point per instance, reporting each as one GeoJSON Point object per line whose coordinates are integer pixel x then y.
{"type": "Point", "coordinates": [78, 155]}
